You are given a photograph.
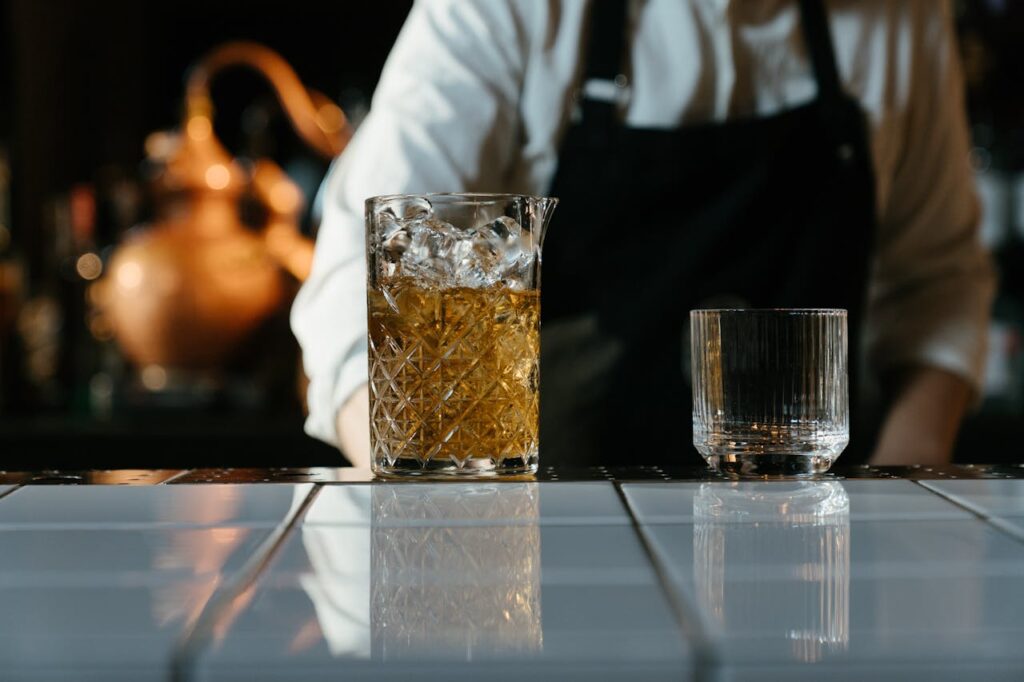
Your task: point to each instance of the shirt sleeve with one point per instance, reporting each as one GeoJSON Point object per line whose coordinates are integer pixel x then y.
{"type": "Point", "coordinates": [931, 293]}
{"type": "Point", "coordinates": [444, 118]}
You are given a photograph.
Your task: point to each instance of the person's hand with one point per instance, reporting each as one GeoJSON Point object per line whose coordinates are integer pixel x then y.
{"type": "Point", "coordinates": [354, 428]}
{"type": "Point", "coordinates": [922, 424]}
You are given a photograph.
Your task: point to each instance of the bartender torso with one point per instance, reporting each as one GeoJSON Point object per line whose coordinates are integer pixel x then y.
{"type": "Point", "coordinates": [710, 153]}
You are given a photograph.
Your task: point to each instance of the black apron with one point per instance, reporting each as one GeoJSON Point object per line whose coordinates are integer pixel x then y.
{"type": "Point", "coordinates": [757, 212]}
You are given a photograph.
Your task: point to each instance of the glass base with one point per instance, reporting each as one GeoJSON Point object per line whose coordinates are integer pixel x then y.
{"type": "Point", "coordinates": [770, 465]}
{"type": "Point", "coordinates": [475, 467]}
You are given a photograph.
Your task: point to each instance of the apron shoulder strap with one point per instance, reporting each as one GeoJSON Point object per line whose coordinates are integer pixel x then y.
{"type": "Point", "coordinates": [604, 86]}
{"type": "Point", "coordinates": [606, 45]}
{"type": "Point", "coordinates": [818, 37]}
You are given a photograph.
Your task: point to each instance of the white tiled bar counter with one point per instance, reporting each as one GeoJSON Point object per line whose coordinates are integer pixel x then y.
{"type": "Point", "coordinates": [642, 575]}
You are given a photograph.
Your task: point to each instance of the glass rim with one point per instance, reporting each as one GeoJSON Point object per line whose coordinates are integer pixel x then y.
{"type": "Point", "coordinates": [822, 312]}
{"type": "Point", "coordinates": [459, 197]}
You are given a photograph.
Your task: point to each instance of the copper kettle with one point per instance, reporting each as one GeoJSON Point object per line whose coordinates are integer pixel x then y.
{"type": "Point", "coordinates": [186, 290]}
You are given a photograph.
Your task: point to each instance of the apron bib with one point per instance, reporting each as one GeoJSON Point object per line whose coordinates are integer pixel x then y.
{"type": "Point", "coordinates": [759, 212]}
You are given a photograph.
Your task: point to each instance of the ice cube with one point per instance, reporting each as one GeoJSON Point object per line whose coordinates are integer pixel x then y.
{"type": "Point", "coordinates": [439, 254]}
{"type": "Point", "coordinates": [430, 239]}
{"type": "Point", "coordinates": [414, 208]}
{"type": "Point", "coordinates": [394, 243]}
{"type": "Point", "coordinates": [429, 255]}
{"type": "Point", "coordinates": [513, 248]}
{"type": "Point", "coordinates": [394, 238]}
{"type": "Point", "coordinates": [501, 234]}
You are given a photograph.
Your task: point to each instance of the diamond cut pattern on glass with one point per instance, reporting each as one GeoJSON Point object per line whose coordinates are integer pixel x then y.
{"type": "Point", "coordinates": [453, 374]}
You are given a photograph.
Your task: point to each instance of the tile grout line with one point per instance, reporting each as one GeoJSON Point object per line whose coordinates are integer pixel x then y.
{"type": "Point", "coordinates": [705, 658]}
{"type": "Point", "coordinates": [970, 508]}
{"type": "Point", "coordinates": [195, 639]}
{"type": "Point", "coordinates": [1008, 528]}
{"type": "Point", "coordinates": [986, 518]}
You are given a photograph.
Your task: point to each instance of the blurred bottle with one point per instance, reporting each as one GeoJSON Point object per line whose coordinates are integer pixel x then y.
{"type": "Point", "coordinates": [12, 277]}
{"type": "Point", "coordinates": [60, 344]}
{"type": "Point", "coordinates": [51, 324]}
{"type": "Point", "coordinates": [120, 204]}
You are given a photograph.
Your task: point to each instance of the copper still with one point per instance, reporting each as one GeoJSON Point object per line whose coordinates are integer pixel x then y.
{"type": "Point", "coordinates": [186, 290]}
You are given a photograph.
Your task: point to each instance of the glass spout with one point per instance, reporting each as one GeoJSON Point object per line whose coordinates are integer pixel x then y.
{"type": "Point", "coordinates": [540, 212]}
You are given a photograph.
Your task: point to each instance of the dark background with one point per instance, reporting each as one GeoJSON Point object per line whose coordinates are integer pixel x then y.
{"type": "Point", "coordinates": [85, 81]}
{"type": "Point", "coordinates": [82, 83]}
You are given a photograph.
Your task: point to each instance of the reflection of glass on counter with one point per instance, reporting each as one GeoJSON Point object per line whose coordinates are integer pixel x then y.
{"type": "Point", "coordinates": [443, 582]}
{"type": "Point", "coordinates": [336, 537]}
{"type": "Point", "coordinates": [447, 571]}
{"type": "Point", "coordinates": [774, 558]}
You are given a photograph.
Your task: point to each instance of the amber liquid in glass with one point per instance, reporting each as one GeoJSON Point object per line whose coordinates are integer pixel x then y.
{"type": "Point", "coordinates": [453, 378]}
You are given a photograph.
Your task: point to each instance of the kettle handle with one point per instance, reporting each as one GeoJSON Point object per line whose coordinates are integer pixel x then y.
{"type": "Point", "coordinates": [315, 118]}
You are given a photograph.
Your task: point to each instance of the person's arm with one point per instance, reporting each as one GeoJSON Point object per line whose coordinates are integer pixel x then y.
{"type": "Point", "coordinates": [929, 301]}
{"type": "Point", "coordinates": [922, 424]}
{"type": "Point", "coordinates": [444, 118]}
{"type": "Point", "coordinates": [353, 428]}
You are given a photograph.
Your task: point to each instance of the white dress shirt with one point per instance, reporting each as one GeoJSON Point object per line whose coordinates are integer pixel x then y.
{"type": "Point", "coordinates": [477, 94]}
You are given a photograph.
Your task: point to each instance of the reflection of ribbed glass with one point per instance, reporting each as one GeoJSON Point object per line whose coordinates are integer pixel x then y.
{"type": "Point", "coordinates": [444, 585]}
{"type": "Point", "coordinates": [773, 562]}
{"type": "Point", "coordinates": [770, 389]}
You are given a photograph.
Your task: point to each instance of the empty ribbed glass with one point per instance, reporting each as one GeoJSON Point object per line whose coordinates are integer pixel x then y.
{"type": "Point", "coordinates": [770, 394]}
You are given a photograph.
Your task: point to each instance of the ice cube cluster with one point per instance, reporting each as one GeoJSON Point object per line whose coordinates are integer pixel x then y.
{"type": "Point", "coordinates": [438, 254]}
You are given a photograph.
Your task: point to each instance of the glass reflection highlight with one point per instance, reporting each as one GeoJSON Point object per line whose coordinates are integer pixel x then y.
{"type": "Point", "coordinates": [455, 586]}
{"type": "Point", "coordinates": [447, 571]}
{"type": "Point", "coordinates": [773, 560]}
{"type": "Point", "coordinates": [202, 552]}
